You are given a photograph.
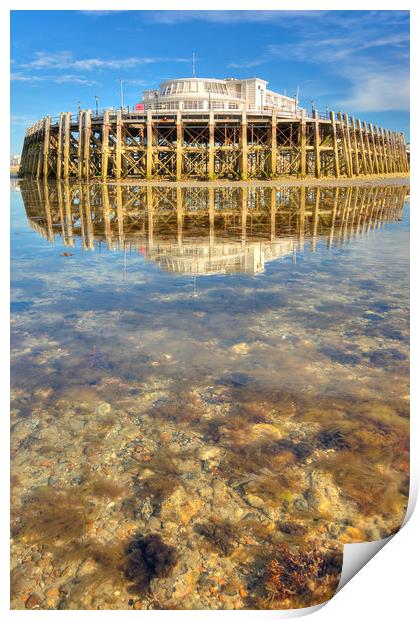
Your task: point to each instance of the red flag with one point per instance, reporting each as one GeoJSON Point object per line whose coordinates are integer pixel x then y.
{"type": "Point", "coordinates": [139, 106]}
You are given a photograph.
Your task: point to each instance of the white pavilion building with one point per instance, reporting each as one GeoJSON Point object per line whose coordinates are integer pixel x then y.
{"type": "Point", "coordinates": [212, 94]}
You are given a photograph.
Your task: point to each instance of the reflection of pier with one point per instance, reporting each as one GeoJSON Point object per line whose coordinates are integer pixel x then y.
{"type": "Point", "coordinates": [206, 230]}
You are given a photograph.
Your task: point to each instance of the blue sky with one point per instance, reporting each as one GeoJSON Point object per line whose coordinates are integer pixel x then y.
{"type": "Point", "coordinates": [353, 61]}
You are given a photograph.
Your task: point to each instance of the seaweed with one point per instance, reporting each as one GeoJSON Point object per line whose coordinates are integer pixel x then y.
{"type": "Point", "coordinates": [300, 450]}
{"type": "Point", "coordinates": [102, 487]}
{"type": "Point", "coordinates": [302, 574]}
{"type": "Point", "coordinates": [147, 558]}
{"type": "Point", "coordinates": [52, 516]}
{"type": "Point", "coordinates": [220, 534]}
{"type": "Point", "coordinates": [332, 438]}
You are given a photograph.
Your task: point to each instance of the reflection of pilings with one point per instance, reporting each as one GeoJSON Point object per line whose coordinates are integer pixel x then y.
{"type": "Point", "coordinates": [333, 215]}
{"type": "Point", "coordinates": [44, 195]}
{"type": "Point", "coordinates": [160, 218]}
{"type": "Point", "coordinates": [68, 215]}
{"type": "Point", "coordinates": [150, 217]}
{"type": "Point", "coordinates": [211, 217]}
{"type": "Point", "coordinates": [106, 216]}
{"type": "Point", "coordinates": [315, 217]}
{"type": "Point", "coordinates": [244, 213]}
{"type": "Point", "coordinates": [301, 218]}
{"type": "Point", "coordinates": [120, 217]}
{"type": "Point", "coordinates": [179, 214]}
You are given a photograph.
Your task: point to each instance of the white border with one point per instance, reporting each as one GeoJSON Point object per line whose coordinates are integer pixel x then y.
{"type": "Point", "coordinates": [386, 586]}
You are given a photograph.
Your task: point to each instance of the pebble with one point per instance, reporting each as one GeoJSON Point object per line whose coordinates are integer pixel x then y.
{"type": "Point", "coordinates": [52, 593]}
{"type": "Point", "coordinates": [254, 501]}
{"type": "Point", "coordinates": [33, 602]}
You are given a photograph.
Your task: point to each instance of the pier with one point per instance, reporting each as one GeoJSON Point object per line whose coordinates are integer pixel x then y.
{"type": "Point", "coordinates": [209, 145]}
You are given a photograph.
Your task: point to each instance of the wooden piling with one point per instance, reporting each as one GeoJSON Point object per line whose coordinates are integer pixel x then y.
{"type": "Point", "coordinates": [66, 149]}
{"type": "Point", "coordinates": [316, 145]}
{"type": "Point", "coordinates": [105, 145]}
{"type": "Point", "coordinates": [149, 145]}
{"type": "Point", "coordinates": [376, 168]}
{"type": "Point", "coordinates": [355, 146]}
{"type": "Point", "coordinates": [210, 170]}
{"type": "Point", "coordinates": [118, 145]}
{"type": "Point", "coordinates": [244, 147]}
{"type": "Point", "coordinates": [335, 145]}
{"type": "Point", "coordinates": [362, 148]}
{"type": "Point", "coordinates": [179, 148]}
{"type": "Point", "coordinates": [380, 149]}
{"type": "Point", "coordinates": [273, 145]}
{"type": "Point", "coordinates": [86, 143]}
{"type": "Point", "coordinates": [302, 145]}
{"type": "Point", "coordinates": [80, 145]}
{"type": "Point", "coordinates": [344, 149]}
{"type": "Point", "coordinates": [46, 148]}
{"type": "Point", "coordinates": [59, 146]}
{"type": "Point", "coordinates": [349, 145]}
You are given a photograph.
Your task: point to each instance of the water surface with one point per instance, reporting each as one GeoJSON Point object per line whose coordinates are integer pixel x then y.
{"type": "Point", "coordinates": [209, 391]}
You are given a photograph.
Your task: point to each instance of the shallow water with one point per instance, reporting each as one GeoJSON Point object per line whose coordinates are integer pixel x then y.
{"type": "Point", "coordinates": [209, 391]}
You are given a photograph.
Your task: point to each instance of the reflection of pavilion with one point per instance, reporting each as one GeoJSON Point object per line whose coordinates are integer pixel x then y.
{"type": "Point", "coordinates": [204, 258]}
{"type": "Point", "coordinates": [202, 230]}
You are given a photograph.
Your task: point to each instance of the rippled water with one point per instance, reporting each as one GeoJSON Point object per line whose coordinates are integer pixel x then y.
{"type": "Point", "coordinates": [209, 391]}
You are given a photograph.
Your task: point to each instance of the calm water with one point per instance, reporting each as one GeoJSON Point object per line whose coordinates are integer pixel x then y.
{"type": "Point", "coordinates": [209, 391]}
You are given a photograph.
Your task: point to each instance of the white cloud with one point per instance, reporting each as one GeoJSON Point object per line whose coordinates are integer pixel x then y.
{"type": "Point", "coordinates": [99, 13]}
{"type": "Point", "coordinates": [57, 79]}
{"type": "Point", "coordinates": [22, 120]}
{"type": "Point", "coordinates": [66, 60]}
{"type": "Point", "coordinates": [247, 64]}
{"type": "Point", "coordinates": [378, 89]}
{"type": "Point", "coordinates": [229, 17]}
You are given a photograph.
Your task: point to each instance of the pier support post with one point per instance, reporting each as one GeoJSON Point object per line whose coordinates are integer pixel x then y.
{"type": "Point", "coordinates": [59, 146]}
{"type": "Point", "coordinates": [368, 147]}
{"type": "Point", "coordinates": [149, 146]}
{"type": "Point", "coordinates": [273, 145]}
{"type": "Point", "coordinates": [390, 160]}
{"type": "Point", "coordinates": [66, 149]}
{"type": "Point", "coordinates": [374, 150]}
{"type": "Point", "coordinates": [356, 164]}
{"type": "Point", "coordinates": [118, 145]}
{"type": "Point", "coordinates": [179, 148]}
{"type": "Point", "coordinates": [362, 147]}
{"type": "Point", "coordinates": [316, 145]}
{"type": "Point", "coordinates": [244, 147]}
{"type": "Point", "coordinates": [335, 145]}
{"type": "Point", "coordinates": [46, 149]}
{"type": "Point", "coordinates": [80, 145]}
{"type": "Point", "coordinates": [302, 145]}
{"type": "Point", "coordinates": [406, 166]}
{"type": "Point", "coordinates": [380, 150]}
{"type": "Point", "coordinates": [105, 145]}
{"type": "Point", "coordinates": [210, 170]}
{"type": "Point", "coordinates": [344, 149]}
{"type": "Point", "coordinates": [87, 132]}
{"type": "Point", "coordinates": [384, 151]}
{"type": "Point", "coordinates": [349, 145]}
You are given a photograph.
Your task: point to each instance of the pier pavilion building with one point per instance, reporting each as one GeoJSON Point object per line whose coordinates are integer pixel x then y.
{"type": "Point", "coordinates": [213, 94]}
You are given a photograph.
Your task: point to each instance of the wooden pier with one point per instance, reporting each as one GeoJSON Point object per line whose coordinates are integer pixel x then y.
{"type": "Point", "coordinates": [209, 145]}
